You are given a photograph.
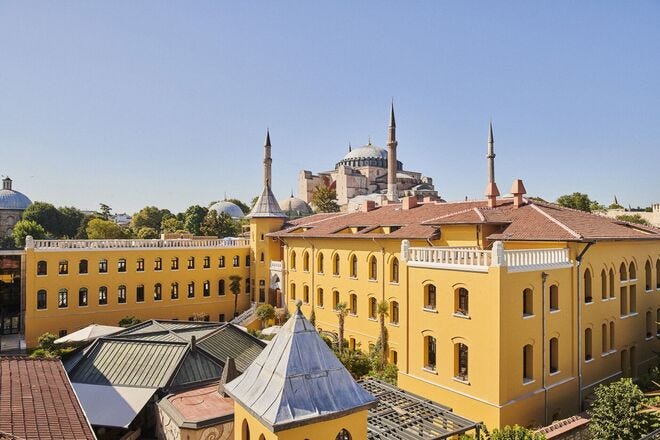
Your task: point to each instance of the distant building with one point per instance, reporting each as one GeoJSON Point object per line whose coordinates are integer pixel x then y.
{"type": "Point", "coordinates": [294, 207]}
{"type": "Point", "coordinates": [369, 170]}
{"type": "Point", "coordinates": [652, 217]}
{"type": "Point", "coordinates": [122, 219]}
{"type": "Point", "coordinates": [12, 205]}
{"type": "Point", "coordinates": [229, 208]}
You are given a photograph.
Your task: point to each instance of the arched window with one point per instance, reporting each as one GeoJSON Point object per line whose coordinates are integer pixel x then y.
{"type": "Point", "coordinates": [373, 268]}
{"type": "Point", "coordinates": [121, 294]}
{"type": "Point", "coordinates": [353, 304]}
{"type": "Point", "coordinates": [335, 265]}
{"type": "Point", "coordinates": [319, 297]}
{"type": "Point", "coordinates": [394, 272]}
{"type": "Point", "coordinates": [221, 261]}
{"type": "Point", "coordinates": [174, 291]}
{"type": "Point", "coordinates": [319, 263]}
{"type": "Point", "coordinates": [612, 292]}
{"type": "Point", "coordinates": [206, 288]}
{"type": "Point", "coordinates": [587, 286]}
{"type": "Point", "coordinates": [587, 345]}
{"type": "Point", "coordinates": [82, 266]}
{"type": "Point", "coordinates": [623, 275]}
{"type": "Point", "coordinates": [554, 297]}
{"type": "Point", "coordinates": [221, 287]}
{"type": "Point", "coordinates": [335, 299]}
{"type": "Point", "coordinates": [461, 301]}
{"type": "Point", "coordinates": [373, 308]}
{"type": "Point", "coordinates": [82, 297]}
{"type": "Point", "coordinates": [63, 298]}
{"type": "Point", "coordinates": [140, 265]}
{"type": "Point", "coordinates": [648, 276]}
{"type": "Point", "coordinates": [343, 435]}
{"type": "Point", "coordinates": [174, 263]}
{"type": "Point", "coordinates": [139, 293]}
{"type": "Point", "coordinates": [64, 267]}
{"type": "Point", "coordinates": [354, 266]}
{"type": "Point", "coordinates": [245, 430]}
{"type": "Point", "coordinates": [306, 294]}
{"type": "Point", "coordinates": [528, 302]}
{"type": "Point", "coordinates": [121, 265]}
{"type": "Point", "coordinates": [158, 264]}
{"type": "Point", "coordinates": [528, 363]}
{"type": "Point", "coordinates": [461, 361]}
{"type": "Point", "coordinates": [103, 295]}
{"type": "Point", "coordinates": [632, 271]}
{"type": "Point", "coordinates": [41, 299]}
{"type": "Point", "coordinates": [103, 266]}
{"type": "Point", "coordinates": [158, 292]}
{"type": "Point", "coordinates": [554, 355]}
{"type": "Point", "coordinates": [191, 289]}
{"type": "Point", "coordinates": [429, 352]}
{"type": "Point", "coordinates": [649, 324]}
{"type": "Point", "coordinates": [42, 268]}
{"type": "Point", "coordinates": [429, 297]}
{"type": "Point", "coordinates": [603, 342]}
{"type": "Point", "coordinates": [603, 285]}
{"type": "Point", "coordinates": [612, 339]}
{"type": "Point", "coordinates": [236, 261]}
{"type": "Point", "coordinates": [306, 261]}
{"type": "Point", "coordinates": [292, 294]}
{"type": "Point", "coordinates": [394, 312]}
{"type": "Point", "coordinates": [261, 257]}
{"type": "Point", "coordinates": [261, 437]}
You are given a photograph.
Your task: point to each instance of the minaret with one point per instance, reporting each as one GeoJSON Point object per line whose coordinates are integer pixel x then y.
{"type": "Point", "coordinates": [392, 192]}
{"type": "Point", "coordinates": [6, 183]}
{"type": "Point", "coordinates": [267, 161]}
{"type": "Point", "coordinates": [491, 188]}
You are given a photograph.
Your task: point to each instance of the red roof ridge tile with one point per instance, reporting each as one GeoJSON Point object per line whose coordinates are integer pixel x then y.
{"type": "Point", "coordinates": [451, 214]}
{"type": "Point", "coordinates": [481, 216]}
{"type": "Point", "coordinates": [554, 220]}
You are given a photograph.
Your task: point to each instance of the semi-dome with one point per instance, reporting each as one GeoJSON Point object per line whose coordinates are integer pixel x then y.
{"type": "Point", "coordinates": [10, 199]}
{"type": "Point", "coordinates": [229, 208]}
{"type": "Point", "coordinates": [294, 207]}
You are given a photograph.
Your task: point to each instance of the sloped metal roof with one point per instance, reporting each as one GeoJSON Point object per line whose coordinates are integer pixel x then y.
{"type": "Point", "coordinates": [297, 380]}
{"type": "Point", "coordinates": [197, 367]}
{"type": "Point", "coordinates": [232, 342]}
{"type": "Point", "coordinates": [266, 206]}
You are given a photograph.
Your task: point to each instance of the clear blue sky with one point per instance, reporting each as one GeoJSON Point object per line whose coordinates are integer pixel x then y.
{"type": "Point", "coordinates": [166, 103]}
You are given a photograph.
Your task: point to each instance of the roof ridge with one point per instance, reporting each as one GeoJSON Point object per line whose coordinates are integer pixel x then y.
{"type": "Point", "coordinates": [479, 213]}
{"type": "Point", "coordinates": [463, 211]}
{"type": "Point", "coordinates": [557, 222]}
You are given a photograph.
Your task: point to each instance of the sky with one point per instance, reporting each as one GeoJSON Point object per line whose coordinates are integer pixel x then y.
{"type": "Point", "coordinates": [167, 103]}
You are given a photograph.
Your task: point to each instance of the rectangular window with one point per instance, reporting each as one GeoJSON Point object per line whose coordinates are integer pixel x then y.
{"type": "Point", "coordinates": [191, 290]}
{"type": "Point", "coordinates": [247, 286]}
{"type": "Point", "coordinates": [41, 299]}
{"type": "Point", "coordinates": [158, 264]}
{"type": "Point", "coordinates": [139, 293]}
{"type": "Point", "coordinates": [64, 267]}
{"type": "Point", "coordinates": [103, 295]}
{"type": "Point", "coordinates": [247, 261]}
{"type": "Point", "coordinates": [207, 262]}
{"type": "Point", "coordinates": [191, 262]}
{"type": "Point", "coordinates": [221, 262]}
{"type": "Point", "coordinates": [222, 317]}
{"type": "Point", "coordinates": [236, 261]}
{"type": "Point", "coordinates": [82, 297]}
{"type": "Point", "coordinates": [63, 298]}
{"type": "Point", "coordinates": [221, 287]}
{"type": "Point", "coordinates": [82, 267]}
{"type": "Point", "coordinates": [103, 266]}
{"type": "Point", "coordinates": [158, 292]}
{"type": "Point", "coordinates": [207, 288]}
{"type": "Point", "coordinates": [140, 265]}
{"type": "Point", "coordinates": [42, 268]}
{"type": "Point", "coordinates": [121, 295]}
{"type": "Point", "coordinates": [121, 265]}
{"type": "Point", "coordinates": [174, 292]}
{"type": "Point", "coordinates": [175, 264]}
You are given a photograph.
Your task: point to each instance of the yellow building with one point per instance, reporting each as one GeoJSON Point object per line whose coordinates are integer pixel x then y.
{"type": "Point", "coordinates": [71, 284]}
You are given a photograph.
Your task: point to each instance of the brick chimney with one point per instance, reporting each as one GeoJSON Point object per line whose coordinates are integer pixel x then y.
{"type": "Point", "coordinates": [368, 205]}
{"type": "Point", "coordinates": [408, 202]}
{"type": "Point", "coordinates": [518, 189]}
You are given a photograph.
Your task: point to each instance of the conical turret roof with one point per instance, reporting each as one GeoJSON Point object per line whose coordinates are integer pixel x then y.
{"type": "Point", "coordinates": [266, 206]}
{"type": "Point", "coordinates": [298, 380]}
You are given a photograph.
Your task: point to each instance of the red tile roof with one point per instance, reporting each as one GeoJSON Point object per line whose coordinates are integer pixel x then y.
{"type": "Point", "coordinates": [37, 401]}
{"type": "Point", "coordinates": [533, 221]}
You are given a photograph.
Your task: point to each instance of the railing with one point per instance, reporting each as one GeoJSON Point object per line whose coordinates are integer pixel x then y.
{"type": "Point", "coordinates": [276, 265]}
{"type": "Point", "coordinates": [247, 315]}
{"type": "Point", "coordinates": [477, 260]}
{"type": "Point", "coordinates": [139, 244]}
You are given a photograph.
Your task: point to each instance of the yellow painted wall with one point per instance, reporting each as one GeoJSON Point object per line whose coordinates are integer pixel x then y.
{"type": "Point", "coordinates": [266, 247]}
{"type": "Point", "coordinates": [74, 317]}
{"type": "Point", "coordinates": [355, 424]}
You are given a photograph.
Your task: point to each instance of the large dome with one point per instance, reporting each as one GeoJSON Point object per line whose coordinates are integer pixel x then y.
{"type": "Point", "coordinates": [10, 199]}
{"type": "Point", "coordinates": [367, 152]}
{"type": "Point", "coordinates": [229, 208]}
{"type": "Point", "coordinates": [294, 207]}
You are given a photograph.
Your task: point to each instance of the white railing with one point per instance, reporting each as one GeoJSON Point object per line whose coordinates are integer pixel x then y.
{"type": "Point", "coordinates": [247, 316]}
{"type": "Point", "coordinates": [276, 266]}
{"type": "Point", "coordinates": [137, 244]}
{"type": "Point", "coordinates": [477, 260]}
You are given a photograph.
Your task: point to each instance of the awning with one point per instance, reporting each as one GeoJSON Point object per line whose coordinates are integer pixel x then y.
{"type": "Point", "coordinates": [89, 333]}
{"type": "Point", "coordinates": [112, 406]}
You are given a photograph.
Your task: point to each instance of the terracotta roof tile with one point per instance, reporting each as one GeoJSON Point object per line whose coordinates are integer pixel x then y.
{"type": "Point", "coordinates": [37, 401]}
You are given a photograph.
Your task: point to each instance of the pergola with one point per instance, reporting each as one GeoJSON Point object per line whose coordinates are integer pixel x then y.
{"type": "Point", "coordinates": [406, 416]}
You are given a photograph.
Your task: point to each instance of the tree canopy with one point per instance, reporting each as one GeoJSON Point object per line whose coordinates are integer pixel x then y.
{"type": "Point", "coordinates": [245, 208]}
{"type": "Point", "coordinates": [219, 225]}
{"type": "Point", "coordinates": [149, 217]}
{"type": "Point", "coordinates": [580, 201]}
{"type": "Point", "coordinates": [47, 216]}
{"type": "Point", "coordinates": [324, 199]}
{"type": "Point", "coordinates": [193, 219]}
{"type": "Point", "coordinates": [70, 221]}
{"type": "Point", "coordinates": [633, 218]}
{"type": "Point", "coordinates": [23, 228]}
{"type": "Point", "coordinates": [98, 229]}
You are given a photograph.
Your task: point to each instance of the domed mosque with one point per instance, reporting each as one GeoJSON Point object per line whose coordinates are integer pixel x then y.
{"type": "Point", "coordinates": [294, 207]}
{"type": "Point", "coordinates": [12, 205]}
{"type": "Point", "coordinates": [369, 173]}
{"type": "Point", "coordinates": [229, 208]}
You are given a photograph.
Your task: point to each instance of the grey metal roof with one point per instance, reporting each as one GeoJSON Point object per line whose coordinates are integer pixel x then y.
{"type": "Point", "coordinates": [10, 199]}
{"type": "Point", "coordinates": [172, 335]}
{"type": "Point", "coordinates": [197, 367]}
{"type": "Point", "coordinates": [266, 206]}
{"type": "Point", "coordinates": [297, 380]}
{"type": "Point", "coordinates": [230, 341]}
{"type": "Point", "coordinates": [229, 208]}
{"type": "Point", "coordinates": [157, 325]}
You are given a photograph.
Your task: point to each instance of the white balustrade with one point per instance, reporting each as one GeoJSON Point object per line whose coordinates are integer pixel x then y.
{"type": "Point", "coordinates": [43, 245]}
{"type": "Point", "coordinates": [521, 260]}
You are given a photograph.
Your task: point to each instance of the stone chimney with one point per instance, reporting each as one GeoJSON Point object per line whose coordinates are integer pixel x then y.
{"type": "Point", "coordinates": [368, 205]}
{"type": "Point", "coordinates": [408, 202]}
{"type": "Point", "coordinates": [518, 189]}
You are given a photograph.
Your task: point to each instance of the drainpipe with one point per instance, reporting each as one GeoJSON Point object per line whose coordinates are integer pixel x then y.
{"type": "Point", "coordinates": [578, 259]}
{"type": "Point", "coordinates": [544, 277]}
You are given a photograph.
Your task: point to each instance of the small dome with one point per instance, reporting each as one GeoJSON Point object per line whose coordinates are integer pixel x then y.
{"type": "Point", "coordinates": [366, 152]}
{"type": "Point", "coordinates": [10, 199]}
{"type": "Point", "coordinates": [229, 208]}
{"type": "Point", "coordinates": [294, 207]}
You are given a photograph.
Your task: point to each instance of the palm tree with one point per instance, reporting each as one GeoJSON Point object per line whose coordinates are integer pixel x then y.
{"type": "Point", "coordinates": [342, 311]}
{"type": "Point", "coordinates": [383, 310]}
{"type": "Point", "coordinates": [235, 288]}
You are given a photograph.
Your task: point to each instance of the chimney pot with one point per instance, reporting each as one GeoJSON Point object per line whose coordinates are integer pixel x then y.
{"type": "Point", "coordinates": [409, 202]}
{"type": "Point", "coordinates": [368, 205]}
{"type": "Point", "coordinates": [518, 189]}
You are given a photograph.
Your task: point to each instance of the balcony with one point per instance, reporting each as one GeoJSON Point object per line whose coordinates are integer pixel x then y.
{"type": "Point", "coordinates": [211, 243]}
{"type": "Point", "coordinates": [478, 260]}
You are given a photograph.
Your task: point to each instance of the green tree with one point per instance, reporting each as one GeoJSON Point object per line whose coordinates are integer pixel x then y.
{"type": "Point", "coordinates": [219, 225]}
{"type": "Point", "coordinates": [253, 201]}
{"type": "Point", "coordinates": [149, 217]}
{"type": "Point", "coordinates": [265, 312]}
{"type": "Point", "coordinates": [128, 321]}
{"type": "Point", "coordinates": [170, 224]}
{"type": "Point", "coordinates": [71, 219]}
{"type": "Point", "coordinates": [47, 216]}
{"type": "Point", "coordinates": [104, 211]}
{"type": "Point", "coordinates": [103, 229]}
{"type": "Point", "coordinates": [193, 219]}
{"type": "Point", "coordinates": [618, 412]}
{"type": "Point", "coordinates": [245, 208]}
{"type": "Point", "coordinates": [577, 200]}
{"type": "Point", "coordinates": [342, 312]}
{"type": "Point", "coordinates": [515, 432]}
{"type": "Point", "coordinates": [235, 288]}
{"type": "Point", "coordinates": [147, 233]}
{"type": "Point", "coordinates": [633, 218]}
{"type": "Point", "coordinates": [615, 206]}
{"type": "Point", "coordinates": [383, 311]}
{"type": "Point", "coordinates": [324, 199]}
{"type": "Point", "coordinates": [23, 228]}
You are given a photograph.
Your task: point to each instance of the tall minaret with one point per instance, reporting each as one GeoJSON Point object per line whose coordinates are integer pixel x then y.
{"type": "Point", "coordinates": [267, 161]}
{"type": "Point", "coordinates": [392, 192]}
{"type": "Point", "coordinates": [491, 188]}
